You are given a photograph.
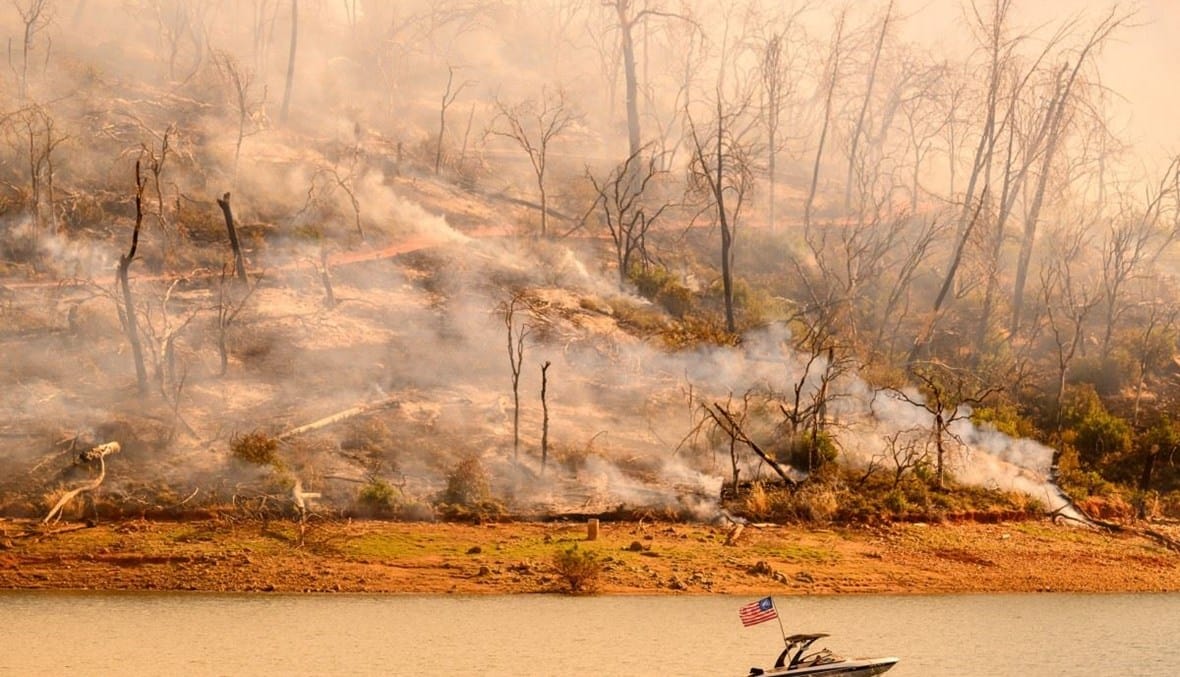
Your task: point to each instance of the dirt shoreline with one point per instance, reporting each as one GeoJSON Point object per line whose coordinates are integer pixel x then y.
{"type": "Point", "coordinates": [638, 557]}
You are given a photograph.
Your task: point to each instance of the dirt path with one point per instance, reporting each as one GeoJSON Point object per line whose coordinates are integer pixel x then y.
{"type": "Point", "coordinates": [637, 558]}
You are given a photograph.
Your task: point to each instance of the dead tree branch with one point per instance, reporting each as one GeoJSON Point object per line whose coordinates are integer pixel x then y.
{"type": "Point", "coordinates": [99, 454]}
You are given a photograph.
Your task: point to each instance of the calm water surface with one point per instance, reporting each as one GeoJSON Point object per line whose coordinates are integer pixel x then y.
{"type": "Point", "coordinates": [198, 634]}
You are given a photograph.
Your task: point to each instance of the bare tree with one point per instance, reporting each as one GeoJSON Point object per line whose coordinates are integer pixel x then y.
{"type": "Point", "coordinates": [926, 113]}
{"type": "Point", "coordinates": [346, 181]}
{"type": "Point", "coordinates": [907, 450]}
{"type": "Point", "coordinates": [534, 124]}
{"type": "Point", "coordinates": [165, 335]}
{"type": "Point", "coordinates": [1007, 80]}
{"type": "Point", "coordinates": [1068, 297]}
{"type": "Point", "coordinates": [517, 331]}
{"type": "Point", "coordinates": [33, 133]}
{"type": "Point", "coordinates": [155, 165]}
{"type": "Point", "coordinates": [35, 16]}
{"type": "Point", "coordinates": [626, 207]}
{"type": "Point", "coordinates": [448, 97]}
{"type": "Point", "coordinates": [904, 263]}
{"type": "Point", "coordinates": [1134, 241]}
{"type": "Point", "coordinates": [263, 18]}
{"type": "Point", "coordinates": [1158, 316]}
{"type": "Point", "coordinates": [948, 395]}
{"type": "Point", "coordinates": [720, 169]}
{"type": "Point", "coordinates": [830, 80]}
{"type": "Point", "coordinates": [181, 23]}
{"type": "Point", "coordinates": [858, 128]}
{"type": "Point", "coordinates": [777, 84]}
{"type": "Point", "coordinates": [248, 105]}
{"type": "Point", "coordinates": [806, 411]}
{"type": "Point", "coordinates": [628, 15]}
{"type": "Point", "coordinates": [922, 340]}
{"type": "Point", "coordinates": [322, 199]}
{"type": "Point", "coordinates": [1054, 131]}
{"type": "Point", "coordinates": [130, 323]}
{"type": "Point", "coordinates": [283, 112]}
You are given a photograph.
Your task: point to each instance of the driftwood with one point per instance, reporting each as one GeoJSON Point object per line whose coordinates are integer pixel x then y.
{"type": "Point", "coordinates": [99, 454]}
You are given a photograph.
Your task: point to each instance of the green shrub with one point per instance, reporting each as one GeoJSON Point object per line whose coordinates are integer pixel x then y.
{"type": "Point", "coordinates": [1006, 419]}
{"type": "Point", "coordinates": [378, 498]}
{"type": "Point", "coordinates": [660, 286]}
{"type": "Point", "coordinates": [467, 484]}
{"type": "Point", "coordinates": [693, 331]}
{"type": "Point", "coordinates": [1096, 433]}
{"type": "Point", "coordinates": [895, 501]}
{"type": "Point", "coordinates": [256, 448]}
{"type": "Point", "coordinates": [803, 454]}
{"type": "Point", "coordinates": [579, 569]}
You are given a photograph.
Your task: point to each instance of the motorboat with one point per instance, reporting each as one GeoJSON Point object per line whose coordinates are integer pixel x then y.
{"type": "Point", "coordinates": [797, 659]}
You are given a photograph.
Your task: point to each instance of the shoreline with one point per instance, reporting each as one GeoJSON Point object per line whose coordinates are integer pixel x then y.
{"type": "Point", "coordinates": [636, 557]}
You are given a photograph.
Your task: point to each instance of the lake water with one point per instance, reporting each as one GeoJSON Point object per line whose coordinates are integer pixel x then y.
{"type": "Point", "coordinates": [203, 634]}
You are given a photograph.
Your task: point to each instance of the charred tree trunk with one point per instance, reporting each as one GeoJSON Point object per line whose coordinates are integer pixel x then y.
{"type": "Point", "coordinates": [833, 76]}
{"type": "Point", "coordinates": [726, 226]}
{"type": "Point", "coordinates": [940, 447]}
{"type": "Point", "coordinates": [544, 416]}
{"type": "Point", "coordinates": [290, 61]}
{"type": "Point", "coordinates": [948, 281]}
{"type": "Point", "coordinates": [625, 24]}
{"type": "Point", "coordinates": [239, 266]}
{"type": "Point", "coordinates": [1145, 478]}
{"type": "Point", "coordinates": [730, 425]}
{"type": "Point", "coordinates": [857, 131]}
{"type": "Point", "coordinates": [326, 279]}
{"type": "Point", "coordinates": [131, 324]}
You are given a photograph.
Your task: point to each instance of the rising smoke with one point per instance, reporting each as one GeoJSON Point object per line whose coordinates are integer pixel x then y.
{"type": "Point", "coordinates": [418, 264]}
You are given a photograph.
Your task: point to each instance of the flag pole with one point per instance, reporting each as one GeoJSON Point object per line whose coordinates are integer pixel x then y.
{"type": "Point", "coordinates": [779, 617]}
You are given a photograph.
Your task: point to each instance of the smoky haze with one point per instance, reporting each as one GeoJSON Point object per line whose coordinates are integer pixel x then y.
{"type": "Point", "coordinates": [389, 198]}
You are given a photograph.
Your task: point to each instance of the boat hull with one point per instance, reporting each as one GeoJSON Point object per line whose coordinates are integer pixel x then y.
{"type": "Point", "coordinates": [855, 668]}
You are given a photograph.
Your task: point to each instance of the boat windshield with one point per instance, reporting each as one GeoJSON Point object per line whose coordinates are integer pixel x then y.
{"type": "Point", "coordinates": [795, 654]}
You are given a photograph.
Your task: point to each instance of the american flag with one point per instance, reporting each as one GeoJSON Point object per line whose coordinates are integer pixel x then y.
{"type": "Point", "coordinates": [758, 612]}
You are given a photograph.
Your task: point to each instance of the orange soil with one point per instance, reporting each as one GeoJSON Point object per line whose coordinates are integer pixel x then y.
{"type": "Point", "coordinates": [637, 557]}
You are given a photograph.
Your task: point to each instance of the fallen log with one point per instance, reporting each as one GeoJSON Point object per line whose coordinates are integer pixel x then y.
{"type": "Point", "coordinates": [337, 417]}
{"type": "Point", "coordinates": [99, 454]}
{"type": "Point", "coordinates": [726, 421]}
{"type": "Point", "coordinates": [1161, 539]}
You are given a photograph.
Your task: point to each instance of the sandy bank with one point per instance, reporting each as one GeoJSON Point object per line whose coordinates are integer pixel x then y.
{"type": "Point", "coordinates": [638, 558]}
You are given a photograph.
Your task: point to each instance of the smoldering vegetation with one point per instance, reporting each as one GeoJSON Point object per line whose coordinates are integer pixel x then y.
{"type": "Point", "coordinates": [481, 259]}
